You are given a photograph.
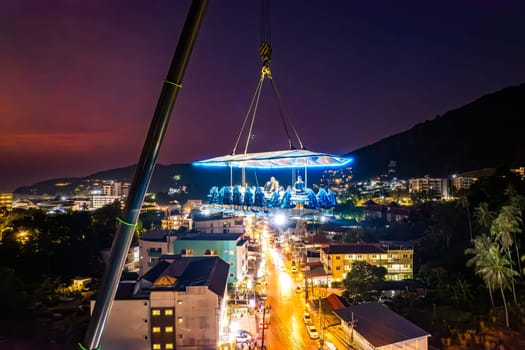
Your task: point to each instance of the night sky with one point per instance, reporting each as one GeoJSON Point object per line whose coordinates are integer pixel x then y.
{"type": "Point", "coordinates": [79, 80]}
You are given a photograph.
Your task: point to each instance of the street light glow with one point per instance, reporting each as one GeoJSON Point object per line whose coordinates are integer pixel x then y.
{"type": "Point", "coordinates": [280, 219]}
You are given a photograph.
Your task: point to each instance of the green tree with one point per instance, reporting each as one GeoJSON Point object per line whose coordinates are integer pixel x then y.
{"type": "Point", "coordinates": [363, 281]}
{"type": "Point", "coordinates": [480, 251]}
{"type": "Point", "coordinates": [461, 292]}
{"type": "Point", "coordinates": [465, 203]}
{"type": "Point", "coordinates": [483, 216]}
{"type": "Point", "coordinates": [504, 228]}
{"type": "Point", "coordinates": [495, 269]}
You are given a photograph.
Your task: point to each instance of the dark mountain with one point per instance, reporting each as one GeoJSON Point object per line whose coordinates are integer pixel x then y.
{"type": "Point", "coordinates": [198, 180]}
{"type": "Point", "coordinates": [483, 134]}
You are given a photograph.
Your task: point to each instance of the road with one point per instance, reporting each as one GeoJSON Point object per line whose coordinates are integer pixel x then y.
{"type": "Point", "coordinates": [287, 329]}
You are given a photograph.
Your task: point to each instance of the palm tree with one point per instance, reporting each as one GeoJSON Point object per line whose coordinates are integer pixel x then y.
{"type": "Point", "coordinates": [493, 267]}
{"type": "Point", "coordinates": [503, 228]}
{"type": "Point", "coordinates": [480, 252]}
{"type": "Point", "coordinates": [464, 202]}
{"type": "Point", "coordinates": [518, 205]}
{"type": "Point", "coordinates": [483, 215]}
{"type": "Point", "coordinates": [498, 272]}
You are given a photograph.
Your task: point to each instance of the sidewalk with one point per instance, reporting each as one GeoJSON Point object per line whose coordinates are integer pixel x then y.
{"type": "Point", "coordinates": [245, 321]}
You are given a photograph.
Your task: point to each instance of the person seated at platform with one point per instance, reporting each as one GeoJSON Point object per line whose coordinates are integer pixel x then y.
{"type": "Point", "coordinates": [274, 185]}
{"type": "Point", "coordinates": [259, 200]}
{"type": "Point", "coordinates": [267, 186]}
{"type": "Point", "coordinates": [299, 185]}
{"type": "Point", "coordinates": [286, 201]}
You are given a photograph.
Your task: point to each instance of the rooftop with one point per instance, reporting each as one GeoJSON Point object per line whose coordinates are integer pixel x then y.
{"type": "Point", "coordinates": [380, 325]}
{"type": "Point", "coordinates": [355, 248]}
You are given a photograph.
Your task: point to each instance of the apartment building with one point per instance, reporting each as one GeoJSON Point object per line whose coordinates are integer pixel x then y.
{"type": "Point", "coordinates": [337, 259]}
{"type": "Point", "coordinates": [218, 223]}
{"type": "Point", "coordinates": [6, 200]}
{"type": "Point", "coordinates": [232, 248]}
{"type": "Point", "coordinates": [459, 182]}
{"type": "Point", "coordinates": [178, 304]}
{"type": "Point", "coordinates": [152, 245]}
{"type": "Point", "coordinates": [430, 187]}
{"type": "Point", "coordinates": [174, 222]}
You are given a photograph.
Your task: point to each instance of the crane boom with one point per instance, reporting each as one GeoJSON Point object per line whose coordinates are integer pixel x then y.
{"type": "Point", "coordinates": [142, 176]}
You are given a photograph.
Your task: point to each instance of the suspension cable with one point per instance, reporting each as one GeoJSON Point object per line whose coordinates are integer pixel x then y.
{"type": "Point", "coordinates": [266, 33]}
{"type": "Point", "coordinates": [285, 115]}
{"type": "Point", "coordinates": [249, 135]}
{"type": "Point", "coordinates": [265, 52]}
{"type": "Point", "coordinates": [258, 88]}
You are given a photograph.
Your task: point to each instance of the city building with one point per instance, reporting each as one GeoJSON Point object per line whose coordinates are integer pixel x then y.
{"type": "Point", "coordinates": [115, 188]}
{"type": "Point", "coordinates": [519, 171]}
{"type": "Point", "coordinates": [152, 245]}
{"type": "Point", "coordinates": [428, 187]}
{"type": "Point", "coordinates": [392, 212]}
{"type": "Point", "coordinates": [232, 248]}
{"type": "Point", "coordinates": [6, 200]}
{"type": "Point", "coordinates": [374, 326]}
{"type": "Point", "coordinates": [98, 201]}
{"type": "Point", "coordinates": [178, 304]}
{"type": "Point", "coordinates": [459, 182]}
{"type": "Point", "coordinates": [175, 222]}
{"type": "Point", "coordinates": [132, 262]}
{"type": "Point", "coordinates": [218, 223]}
{"type": "Point", "coordinates": [337, 259]}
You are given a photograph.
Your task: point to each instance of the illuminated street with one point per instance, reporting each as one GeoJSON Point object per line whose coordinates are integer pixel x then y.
{"type": "Point", "coordinates": [287, 329]}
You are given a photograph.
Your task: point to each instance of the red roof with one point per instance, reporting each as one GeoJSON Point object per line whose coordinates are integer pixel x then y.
{"type": "Point", "coordinates": [334, 302]}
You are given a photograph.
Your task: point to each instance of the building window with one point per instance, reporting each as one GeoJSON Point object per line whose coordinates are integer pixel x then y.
{"type": "Point", "coordinates": [337, 257]}
{"type": "Point", "coordinates": [155, 312]}
{"type": "Point", "coordinates": [338, 268]}
{"type": "Point", "coordinates": [156, 346]}
{"type": "Point", "coordinates": [168, 312]}
{"type": "Point", "coordinates": [169, 346]}
{"type": "Point", "coordinates": [155, 330]}
{"type": "Point", "coordinates": [168, 329]}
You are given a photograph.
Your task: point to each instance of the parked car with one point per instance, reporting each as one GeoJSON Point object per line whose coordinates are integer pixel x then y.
{"type": "Point", "coordinates": [307, 318]}
{"type": "Point", "coordinates": [329, 346]}
{"type": "Point", "coordinates": [312, 331]}
{"type": "Point", "coordinates": [386, 299]}
{"type": "Point", "coordinates": [243, 336]}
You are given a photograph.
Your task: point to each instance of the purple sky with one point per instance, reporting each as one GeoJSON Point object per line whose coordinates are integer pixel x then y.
{"type": "Point", "coordinates": [79, 80]}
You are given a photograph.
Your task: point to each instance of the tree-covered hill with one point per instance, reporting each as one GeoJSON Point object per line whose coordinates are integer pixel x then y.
{"type": "Point", "coordinates": [486, 133]}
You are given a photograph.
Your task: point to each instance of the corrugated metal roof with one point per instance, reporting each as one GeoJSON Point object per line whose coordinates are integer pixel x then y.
{"type": "Point", "coordinates": [380, 325]}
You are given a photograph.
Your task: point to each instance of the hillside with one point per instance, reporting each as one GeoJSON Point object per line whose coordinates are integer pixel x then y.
{"type": "Point", "coordinates": [486, 133]}
{"type": "Point", "coordinates": [198, 180]}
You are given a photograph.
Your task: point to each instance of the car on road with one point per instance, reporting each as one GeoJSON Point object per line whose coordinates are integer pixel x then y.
{"type": "Point", "coordinates": [243, 336]}
{"type": "Point", "coordinates": [307, 318]}
{"type": "Point", "coordinates": [386, 299]}
{"type": "Point", "coordinates": [312, 331]}
{"type": "Point", "coordinates": [329, 346]}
